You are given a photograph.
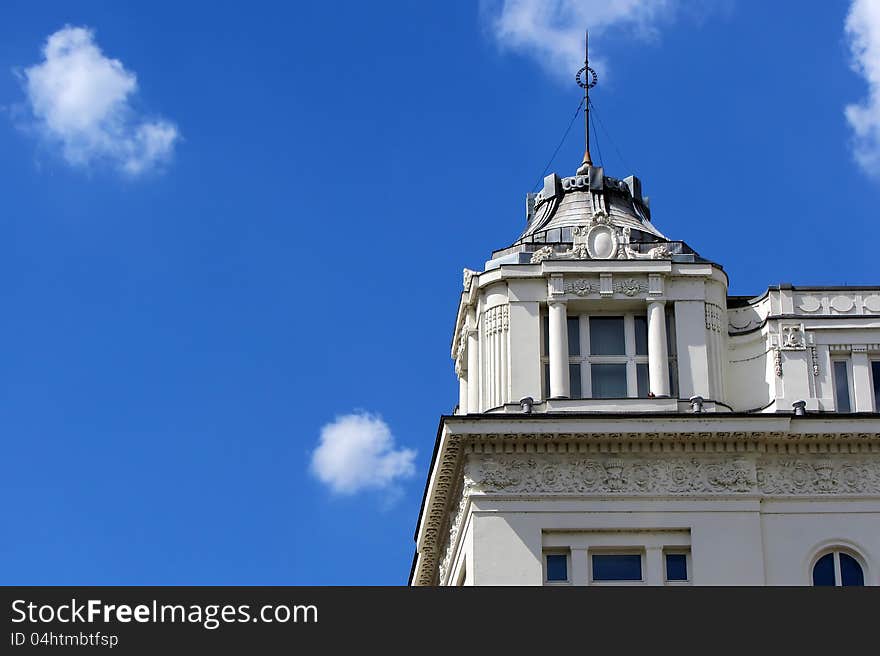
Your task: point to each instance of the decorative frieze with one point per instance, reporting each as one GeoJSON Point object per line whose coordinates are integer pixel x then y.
{"type": "Point", "coordinates": [851, 303]}
{"type": "Point", "coordinates": [571, 475]}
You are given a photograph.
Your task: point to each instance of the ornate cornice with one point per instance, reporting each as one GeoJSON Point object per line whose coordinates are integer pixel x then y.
{"type": "Point", "coordinates": [663, 463]}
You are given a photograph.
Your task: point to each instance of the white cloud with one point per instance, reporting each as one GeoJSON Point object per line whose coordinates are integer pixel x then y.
{"type": "Point", "coordinates": [552, 31]}
{"type": "Point", "coordinates": [863, 32]}
{"type": "Point", "coordinates": [357, 452]}
{"type": "Point", "coordinates": [81, 100]}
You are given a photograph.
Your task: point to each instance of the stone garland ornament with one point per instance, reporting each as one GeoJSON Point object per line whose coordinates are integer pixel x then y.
{"type": "Point", "coordinates": [544, 253]}
{"type": "Point", "coordinates": [460, 352]}
{"type": "Point", "coordinates": [581, 288]}
{"type": "Point", "coordinates": [630, 287]}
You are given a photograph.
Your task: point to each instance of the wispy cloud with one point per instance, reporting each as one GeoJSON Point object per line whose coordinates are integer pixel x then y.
{"type": "Point", "coordinates": [863, 32]}
{"type": "Point", "coordinates": [552, 31]}
{"type": "Point", "coordinates": [357, 452]}
{"type": "Point", "coordinates": [81, 101]}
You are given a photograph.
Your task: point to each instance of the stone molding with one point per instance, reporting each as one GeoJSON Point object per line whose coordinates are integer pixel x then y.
{"type": "Point", "coordinates": [695, 463]}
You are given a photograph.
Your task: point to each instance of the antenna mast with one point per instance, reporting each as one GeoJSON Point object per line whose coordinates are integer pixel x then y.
{"type": "Point", "coordinates": [586, 79]}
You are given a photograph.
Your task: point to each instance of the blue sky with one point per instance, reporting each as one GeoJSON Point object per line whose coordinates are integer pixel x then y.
{"type": "Point", "coordinates": [248, 233]}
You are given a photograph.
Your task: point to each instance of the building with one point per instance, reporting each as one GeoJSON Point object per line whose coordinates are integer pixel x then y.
{"type": "Point", "coordinates": [623, 420]}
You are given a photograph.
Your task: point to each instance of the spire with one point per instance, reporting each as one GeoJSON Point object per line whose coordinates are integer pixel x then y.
{"type": "Point", "coordinates": [587, 82]}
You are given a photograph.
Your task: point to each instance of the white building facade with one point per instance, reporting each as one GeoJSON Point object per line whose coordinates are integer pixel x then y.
{"type": "Point", "coordinates": [622, 420]}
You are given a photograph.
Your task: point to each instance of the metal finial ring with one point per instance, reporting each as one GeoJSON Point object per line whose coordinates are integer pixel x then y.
{"type": "Point", "coordinates": [591, 79]}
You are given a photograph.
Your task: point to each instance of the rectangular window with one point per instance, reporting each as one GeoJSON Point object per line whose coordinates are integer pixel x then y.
{"type": "Point", "coordinates": [608, 356]}
{"type": "Point", "coordinates": [875, 375]}
{"type": "Point", "coordinates": [574, 381]}
{"type": "Point", "coordinates": [574, 336]}
{"type": "Point", "coordinates": [545, 335]}
{"type": "Point", "coordinates": [616, 567]}
{"type": "Point", "coordinates": [841, 386]}
{"type": "Point", "coordinates": [642, 380]}
{"type": "Point", "coordinates": [609, 381]}
{"type": "Point", "coordinates": [556, 567]}
{"type": "Point", "coordinates": [607, 336]}
{"type": "Point", "coordinates": [676, 567]}
{"type": "Point", "coordinates": [641, 328]}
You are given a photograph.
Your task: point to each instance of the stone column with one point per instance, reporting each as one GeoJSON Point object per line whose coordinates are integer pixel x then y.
{"type": "Point", "coordinates": [658, 357]}
{"type": "Point", "coordinates": [863, 391]}
{"type": "Point", "coordinates": [473, 371]}
{"type": "Point", "coordinates": [462, 394]}
{"type": "Point", "coordinates": [558, 342]}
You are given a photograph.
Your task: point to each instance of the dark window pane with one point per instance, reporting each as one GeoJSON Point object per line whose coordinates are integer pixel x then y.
{"type": "Point", "coordinates": [609, 381]}
{"type": "Point", "coordinates": [673, 379]}
{"type": "Point", "coordinates": [574, 381]}
{"type": "Point", "coordinates": [546, 381]}
{"type": "Point", "coordinates": [823, 570]}
{"type": "Point", "coordinates": [670, 332]}
{"type": "Point", "coordinates": [850, 571]}
{"type": "Point", "coordinates": [557, 567]}
{"type": "Point", "coordinates": [617, 567]}
{"type": "Point", "coordinates": [841, 386]}
{"type": "Point", "coordinates": [641, 335]}
{"type": "Point", "coordinates": [676, 567]}
{"type": "Point", "coordinates": [574, 336]}
{"type": "Point", "coordinates": [606, 336]}
{"type": "Point", "coordinates": [875, 374]}
{"type": "Point", "coordinates": [545, 336]}
{"type": "Point", "coordinates": [642, 378]}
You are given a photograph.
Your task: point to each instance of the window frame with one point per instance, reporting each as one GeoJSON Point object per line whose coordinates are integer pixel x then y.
{"type": "Point", "coordinates": [556, 552]}
{"type": "Point", "coordinates": [847, 361]}
{"type": "Point", "coordinates": [678, 551]}
{"type": "Point", "coordinates": [835, 551]}
{"type": "Point", "coordinates": [630, 358]}
{"type": "Point", "coordinates": [614, 551]}
{"type": "Point", "coordinates": [875, 383]}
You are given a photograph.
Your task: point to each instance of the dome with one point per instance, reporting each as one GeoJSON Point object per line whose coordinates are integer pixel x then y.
{"type": "Point", "coordinates": [590, 216]}
{"type": "Point", "coordinates": [573, 202]}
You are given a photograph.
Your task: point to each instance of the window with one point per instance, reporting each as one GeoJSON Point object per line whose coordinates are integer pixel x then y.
{"type": "Point", "coordinates": [616, 566]}
{"type": "Point", "coordinates": [676, 566]}
{"type": "Point", "coordinates": [556, 567]}
{"type": "Point", "coordinates": [838, 568]}
{"type": "Point", "coordinates": [875, 376]}
{"type": "Point", "coordinates": [841, 386]}
{"type": "Point", "coordinates": [608, 356]}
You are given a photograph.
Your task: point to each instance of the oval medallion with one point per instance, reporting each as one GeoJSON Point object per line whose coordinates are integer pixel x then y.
{"type": "Point", "coordinates": [602, 243]}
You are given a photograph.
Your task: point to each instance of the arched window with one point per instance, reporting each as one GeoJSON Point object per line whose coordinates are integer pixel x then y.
{"type": "Point", "coordinates": [838, 568]}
